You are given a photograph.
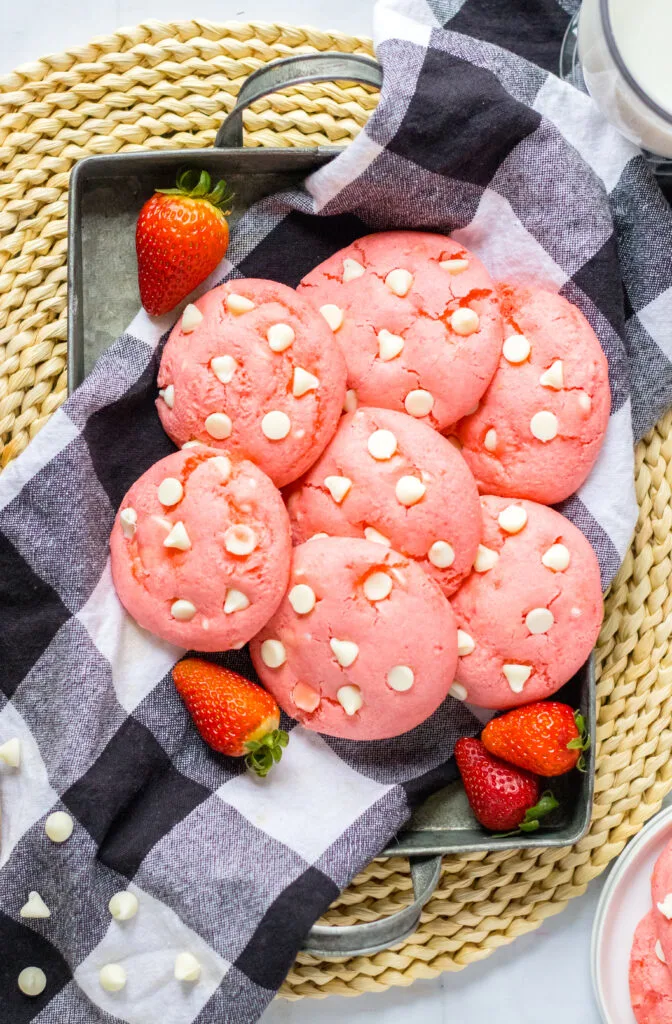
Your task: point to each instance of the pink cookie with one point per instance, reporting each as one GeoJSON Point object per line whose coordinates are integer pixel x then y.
{"type": "Point", "coordinates": [191, 549]}
{"type": "Point", "coordinates": [417, 318]}
{"type": "Point", "coordinates": [661, 896]}
{"type": "Point", "coordinates": [363, 645]}
{"type": "Point", "coordinates": [252, 369]}
{"type": "Point", "coordinates": [395, 481]}
{"type": "Point", "coordinates": [530, 613]}
{"type": "Point", "coordinates": [650, 979]}
{"type": "Point", "coordinates": [541, 423]}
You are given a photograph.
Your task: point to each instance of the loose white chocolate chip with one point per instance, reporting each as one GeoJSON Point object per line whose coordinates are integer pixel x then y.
{"type": "Point", "coordinates": [351, 270]}
{"type": "Point", "coordinates": [389, 345]}
{"type": "Point", "coordinates": [666, 906]}
{"type": "Point", "coordinates": [224, 368]}
{"type": "Point", "coordinates": [238, 304]}
{"type": "Point", "coordinates": [659, 952]}
{"type": "Point", "coordinates": [168, 395]}
{"type": "Point", "coordinates": [516, 348]}
{"type": "Point", "coordinates": [375, 537]}
{"type": "Point", "coordinates": [539, 620]}
{"type": "Point", "coordinates": [35, 907]}
{"type": "Point", "coordinates": [10, 752]}
{"type": "Point", "coordinates": [454, 266]}
{"type": "Point", "coordinates": [554, 376]}
{"type": "Point", "coordinates": [32, 981]}
{"type": "Point", "coordinates": [305, 697]}
{"type": "Point", "coordinates": [345, 651]}
{"type": "Point", "coordinates": [350, 699]}
{"type": "Point", "coordinates": [377, 586]}
{"type": "Point", "coordinates": [182, 610]}
{"type": "Point", "coordinates": [178, 537]}
{"type": "Point", "coordinates": [59, 826]}
{"type": "Point", "coordinates": [441, 554]}
{"type": "Point", "coordinates": [223, 465]}
{"type": "Point", "coordinates": [303, 382]}
{"type": "Point", "coordinates": [465, 643]}
{"type": "Point", "coordinates": [490, 440]}
{"type": "Point", "coordinates": [556, 558]}
{"type": "Point", "coordinates": [458, 691]}
{"type": "Point", "coordinates": [399, 281]}
{"type": "Point", "coordinates": [302, 598]}
{"type": "Point", "coordinates": [512, 519]}
{"type": "Point", "coordinates": [350, 403]}
{"type": "Point", "coordinates": [273, 653]}
{"type": "Point", "coordinates": [191, 318]}
{"type": "Point", "coordinates": [585, 402]}
{"type": "Point", "coordinates": [338, 487]}
{"type": "Point", "coordinates": [485, 559]}
{"type": "Point", "coordinates": [382, 445]}
{"type": "Point", "coordinates": [276, 425]}
{"type": "Point", "coordinates": [240, 540]}
{"type": "Point", "coordinates": [279, 337]}
{"type": "Point", "coordinates": [409, 490]}
{"type": "Point", "coordinates": [235, 601]}
{"type": "Point", "coordinates": [123, 905]}
{"type": "Point", "coordinates": [187, 967]}
{"type": "Point", "coordinates": [517, 676]}
{"type": "Point", "coordinates": [400, 678]}
{"type": "Point", "coordinates": [128, 520]}
{"type": "Point", "coordinates": [112, 977]}
{"type": "Point", "coordinates": [419, 403]}
{"type": "Point", "coordinates": [333, 315]}
{"type": "Point", "coordinates": [464, 321]}
{"type": "Point", "coordinates": [544, 425]}
{"type": "Point", "coordinates": [170, 491]}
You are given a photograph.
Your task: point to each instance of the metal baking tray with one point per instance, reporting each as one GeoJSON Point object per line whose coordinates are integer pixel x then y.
{"type": "Point", "coordinates": [106, 194]}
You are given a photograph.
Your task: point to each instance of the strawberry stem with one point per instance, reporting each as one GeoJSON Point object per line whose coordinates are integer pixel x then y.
{"type": "Point", "coordinates": [580, 742]}
{"type": "Point", "coordinates": [264, 753]}
{"type": "Point", "coordinates": [196, 184]}
{"type": "Point", "coordinates": [531, 821]}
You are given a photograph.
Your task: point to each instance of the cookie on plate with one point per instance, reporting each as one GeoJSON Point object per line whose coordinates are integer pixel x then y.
{"type": "Point", "coordinates": [191, 548]}
{"type": "Point", "coordinates": [417, 318]}
{"type": "Point", "coordinates": [363, 645]}
{"type": "Point", "coordinates": [393, 480]}
{"type": "Point", "coordinates": [650, 979]}
{"type": "Point", "coordinates": [253, 369]}
{"type": "Point", "coordinates": [540, 425]}
{"type": "Point", "coordinates": [661, 897]}
{"type": "Point", "coordinates": [529, 615]}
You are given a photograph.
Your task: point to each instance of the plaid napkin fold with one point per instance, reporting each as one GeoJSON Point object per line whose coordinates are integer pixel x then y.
{"type": "Point", "coordinates": [469, 139]}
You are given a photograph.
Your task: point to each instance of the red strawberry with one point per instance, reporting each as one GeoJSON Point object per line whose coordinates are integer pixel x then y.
{"type": "Point", "coordinates": [181, 236]}
{"type": "Point", "coordinates": [546, 737]}
{"type": "Point", "coordinates": [501, 797]}
{"type": "Point", "coordinates": [233, 715]}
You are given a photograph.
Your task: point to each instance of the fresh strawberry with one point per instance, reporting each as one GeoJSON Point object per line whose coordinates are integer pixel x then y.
{"type": "Point", "coordinates": [181, 236]}
{"type": "Point", "coordinates": [547, 738]}
{"type": "Point", "coordinates": [233, 715]}
{"type": "Point", "coordinates": [501, 797]}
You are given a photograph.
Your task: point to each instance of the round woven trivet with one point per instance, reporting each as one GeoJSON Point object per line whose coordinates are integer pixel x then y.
{"type": "Point", "coordinates": [165, 86]}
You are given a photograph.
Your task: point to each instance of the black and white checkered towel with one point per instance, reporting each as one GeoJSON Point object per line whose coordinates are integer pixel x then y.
{"type": "Point", "coordinates": [470, 139]}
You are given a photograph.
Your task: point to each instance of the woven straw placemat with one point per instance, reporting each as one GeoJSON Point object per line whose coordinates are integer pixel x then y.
{"type": "Point", "coordinates": [165, 86]}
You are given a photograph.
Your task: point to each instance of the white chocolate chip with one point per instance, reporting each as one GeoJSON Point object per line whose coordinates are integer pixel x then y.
{"type": "Point", "coordinates": [585, 402]}
{"type": "Point", "coordinates": [112, 977]}
{"type": "Point", "coordinates": [375, 537]}
{"type": "Point", "coordinates": [59, 826]}
{"type": "Point", "coordinates": [350, 403]}
{"type": "Point", "coordinates": [218, 425]}
{"type": "Point", "coordinates": [303, 382]}
{"type": "Point", "coordinates": [168, 395]}
{"type": "Point", "coordinates": [399, 281]}
{"type": "Point", "coordinates": [350, 699]}
{"type": "Point", "coordinates": [182, 610]}
{"type": "Point", "coordinates": [187, 967]}
{"type": "Point", "coordinates": [400, 678]}
{"type": "Point", "coordinates": [223, 465]}
{"type": "Point", "coordinates": [191, 318]}
{"type": "Point", "coordinates": [658, 948]}
{"type": "Point", "coordinates": [333, 315]}
{"type": "Point", "coordinates": [377, 586]}
{"type": "Point", "coordinates": [382, 445]}
{"type": "Point", "coordinates": [240, 539]}
{"type": "Point", "coordinates": [441, 554]}
{"type": "Point", "coordinates": [178, 537]}
{"type": "Point", "coordinates": [276, 425]}
{"type": "Point", "coordinates": [409, 490]}
{"type": "Point", "coordinates": [464, 321]}
{"type": "Point", "coordinates": [170, 491]}
{"type": "Point", "coordinates": [389, 345]}
{"type": "Point", "coordinates": [351, 270]}
{"type": "Point", "coordinates": [454, 266]}
{"type": "Point", "coordinates": [338, 487]}
{"type": "Point", "coordinates": [302, 598]}
{"type": "Point", "coordinates": [32, 981]}
{"type": "Point", "coordinates": [238, 304]}
{"type": "Point", "coordinates": [512, 519]}
{"type": "Point", "coordinates": [273, 653]}
{"type": "Point", "coordinates": [544, 425]}
{"type": "Point", "coordinates": [317, 536]}
{"type": "Point", "coordinates": [517, 676]}
{"type": "Point", "coordinates": [666, 906]}
{"type": "Point", "coordinates": [35, 907]}
{"type": "Point", "coordinates": [280, 337]}
{"type": "Point", "coordinates": [193, 444]}
{"type": "Point", "coordinates": [235, 601]}
{"type": "Point", "coordinates": [305, 697]}
{"type": "Point", "coordinates": [556, 557]}
{"type": "Point", "coordinates": [10, 752]}
{"type": "Point", "coordinates": [419, 403]}
{"type": "Point", "coordinates": [123, 905]}
{"type": "Point", "coordinates": [458, 691]}
{"type": "Point", "coordinates": [516, 348]}
{"type": "Point", "coordinates": [128, 520]}
{"type": "Point", "coordinates": [345, 651]}
{"type": "Point", "coordinates": [539, 620]}
{"type": "Point", "coordinates": [554, 376]}
{"type": "Point", "coordinates": [490, 440]}
{"type": "Point", "coordinates": [575, 613]}
{"type": "Point", "coordinates": [485, 559]}
{"type": "Point", "coordinates": [224, 368]}
{"type": "Point", "coordinates": [465, 643]}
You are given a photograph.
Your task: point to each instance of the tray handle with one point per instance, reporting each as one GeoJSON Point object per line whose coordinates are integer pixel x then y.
{"type": "Point", "coordinates": [309, 67]}
{"type": "Point", "coordinates": [324, 942]}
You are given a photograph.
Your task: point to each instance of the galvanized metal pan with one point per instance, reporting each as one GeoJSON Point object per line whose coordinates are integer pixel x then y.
{"type": "Point", "coordinates": [106, 194]}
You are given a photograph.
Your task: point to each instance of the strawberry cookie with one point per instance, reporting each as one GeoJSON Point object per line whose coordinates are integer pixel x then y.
{"type": "Point", "coordinates": [661, 895]}
{"type": "Point", "coordinates": [529, 615]}
{"type": "Point", "coordinates": [540, 425]}
{"type": "Point", "coordinates": [650, 979]}
{"type": "Point", "coordinates": [395, 481]}
{"type": "Point", "coordinates": [417, 318]}
{"type": "Point", "coordinates": [191, 546]}
{"type": "Point", "coordinates": [364, 644]}
{"type": "Point", "coordinates": [253, 369]}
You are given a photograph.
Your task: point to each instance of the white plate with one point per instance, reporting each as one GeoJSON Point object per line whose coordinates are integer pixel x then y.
{"type": "Point", "coordinates": [625, 899]}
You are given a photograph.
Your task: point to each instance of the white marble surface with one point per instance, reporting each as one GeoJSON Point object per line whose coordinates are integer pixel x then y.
{"type": "Point", "coordinates": [523, 981]}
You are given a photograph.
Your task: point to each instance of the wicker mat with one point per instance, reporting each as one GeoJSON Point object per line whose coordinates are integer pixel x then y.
{"type": "Point", "coordinates": [164, 86]}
